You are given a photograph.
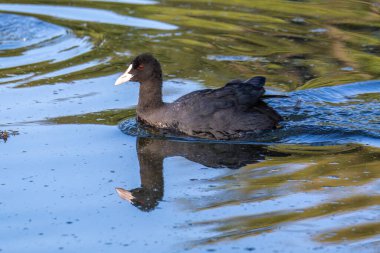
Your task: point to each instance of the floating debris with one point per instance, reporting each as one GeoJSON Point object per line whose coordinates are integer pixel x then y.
{"type": "Point", "coordinates": [4, 135]}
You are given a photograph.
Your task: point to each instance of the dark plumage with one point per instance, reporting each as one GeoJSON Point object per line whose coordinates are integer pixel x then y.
{"type": "Point", "coordinates": [231, 112]}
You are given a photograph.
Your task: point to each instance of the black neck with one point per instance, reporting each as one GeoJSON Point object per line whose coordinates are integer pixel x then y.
{"type": "Point", "coordinates": [150, 96]}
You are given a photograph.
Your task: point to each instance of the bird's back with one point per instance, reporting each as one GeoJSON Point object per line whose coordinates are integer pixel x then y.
{"type": "Point", "coordinates": [225, 113]}
{"type": "Point", "coordinates": [237, 94]}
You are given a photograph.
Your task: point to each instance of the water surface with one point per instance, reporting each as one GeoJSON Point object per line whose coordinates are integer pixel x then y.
{"type": "Point", "coordinates": [310, 186]}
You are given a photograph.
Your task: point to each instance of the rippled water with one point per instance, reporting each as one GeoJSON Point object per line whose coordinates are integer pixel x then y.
{"type": "Point", "coordinates": [310, 186]}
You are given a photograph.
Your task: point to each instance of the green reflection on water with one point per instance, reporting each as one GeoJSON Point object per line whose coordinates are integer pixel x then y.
{"type": "Point", "coordinates": [352, 233]}
{"type": "Point", "coordinates": [307, 169]}
{"type": "Point", "coordinates": [109, 117]}
{"type": "Point", "coordinates": [304, 44]}
{"type": "Point", "coordinates": [297, 45]}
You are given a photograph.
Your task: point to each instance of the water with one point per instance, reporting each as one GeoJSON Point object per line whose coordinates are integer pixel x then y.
{"type": "Point", "coordinates": [310, 186]}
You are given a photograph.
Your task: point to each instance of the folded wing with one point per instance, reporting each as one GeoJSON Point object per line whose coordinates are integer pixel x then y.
{"type": "Point", "coordinates": [238, 95]}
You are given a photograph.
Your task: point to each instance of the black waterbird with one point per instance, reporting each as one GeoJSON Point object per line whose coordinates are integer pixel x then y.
{"type": "Point", "coordinates": [232, 112]}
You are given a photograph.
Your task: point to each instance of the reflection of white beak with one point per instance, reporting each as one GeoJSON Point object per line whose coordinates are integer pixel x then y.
{"type": "Point", "coordinates": [124, 194]}
{"type": "Point", "coordinates": [124, 77]}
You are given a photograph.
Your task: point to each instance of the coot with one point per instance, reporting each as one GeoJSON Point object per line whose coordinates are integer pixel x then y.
{"type": "Point", "coordinates": [234, 111]}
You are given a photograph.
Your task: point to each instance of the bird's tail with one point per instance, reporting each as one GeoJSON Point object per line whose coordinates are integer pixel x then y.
{"type": "Point", "coordinates": [258, 81]}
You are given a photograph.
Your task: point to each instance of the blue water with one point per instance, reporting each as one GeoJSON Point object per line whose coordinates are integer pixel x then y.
{"type": "Point", "coordinates": [310, 186]}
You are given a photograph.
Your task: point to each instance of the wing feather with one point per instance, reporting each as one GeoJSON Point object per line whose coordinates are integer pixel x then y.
{"type": "Point", "coordinates": [241, 95]}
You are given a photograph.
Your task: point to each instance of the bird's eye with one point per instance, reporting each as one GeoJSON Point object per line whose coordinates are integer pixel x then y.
{"type": "Point", "coordinates": [140, 67]}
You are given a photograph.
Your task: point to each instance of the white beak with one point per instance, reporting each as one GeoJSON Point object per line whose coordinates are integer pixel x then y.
{"type": "Point", "coordinates": [124, 194]}
{"type": "Point", "coordinates": [124, 77]}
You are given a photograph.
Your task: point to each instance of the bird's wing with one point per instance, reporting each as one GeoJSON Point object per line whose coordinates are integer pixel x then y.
{"type": "Point", "coordinates": [241, 95]}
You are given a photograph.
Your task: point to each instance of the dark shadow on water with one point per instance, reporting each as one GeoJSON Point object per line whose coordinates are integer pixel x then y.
{"type": "Point", "coordinates": [152, 152]}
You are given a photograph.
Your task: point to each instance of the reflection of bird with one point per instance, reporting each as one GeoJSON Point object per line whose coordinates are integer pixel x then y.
{"type": "Point", "coordinates": [144, 198]}
{"type": "Point", "coordinates": [230, 112]}
{"type": "Point", "coordinates": [151, 153]}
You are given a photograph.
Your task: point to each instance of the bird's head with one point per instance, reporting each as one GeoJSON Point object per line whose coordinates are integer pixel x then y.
{"type": "Point", "coordinates": [143, 68]}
